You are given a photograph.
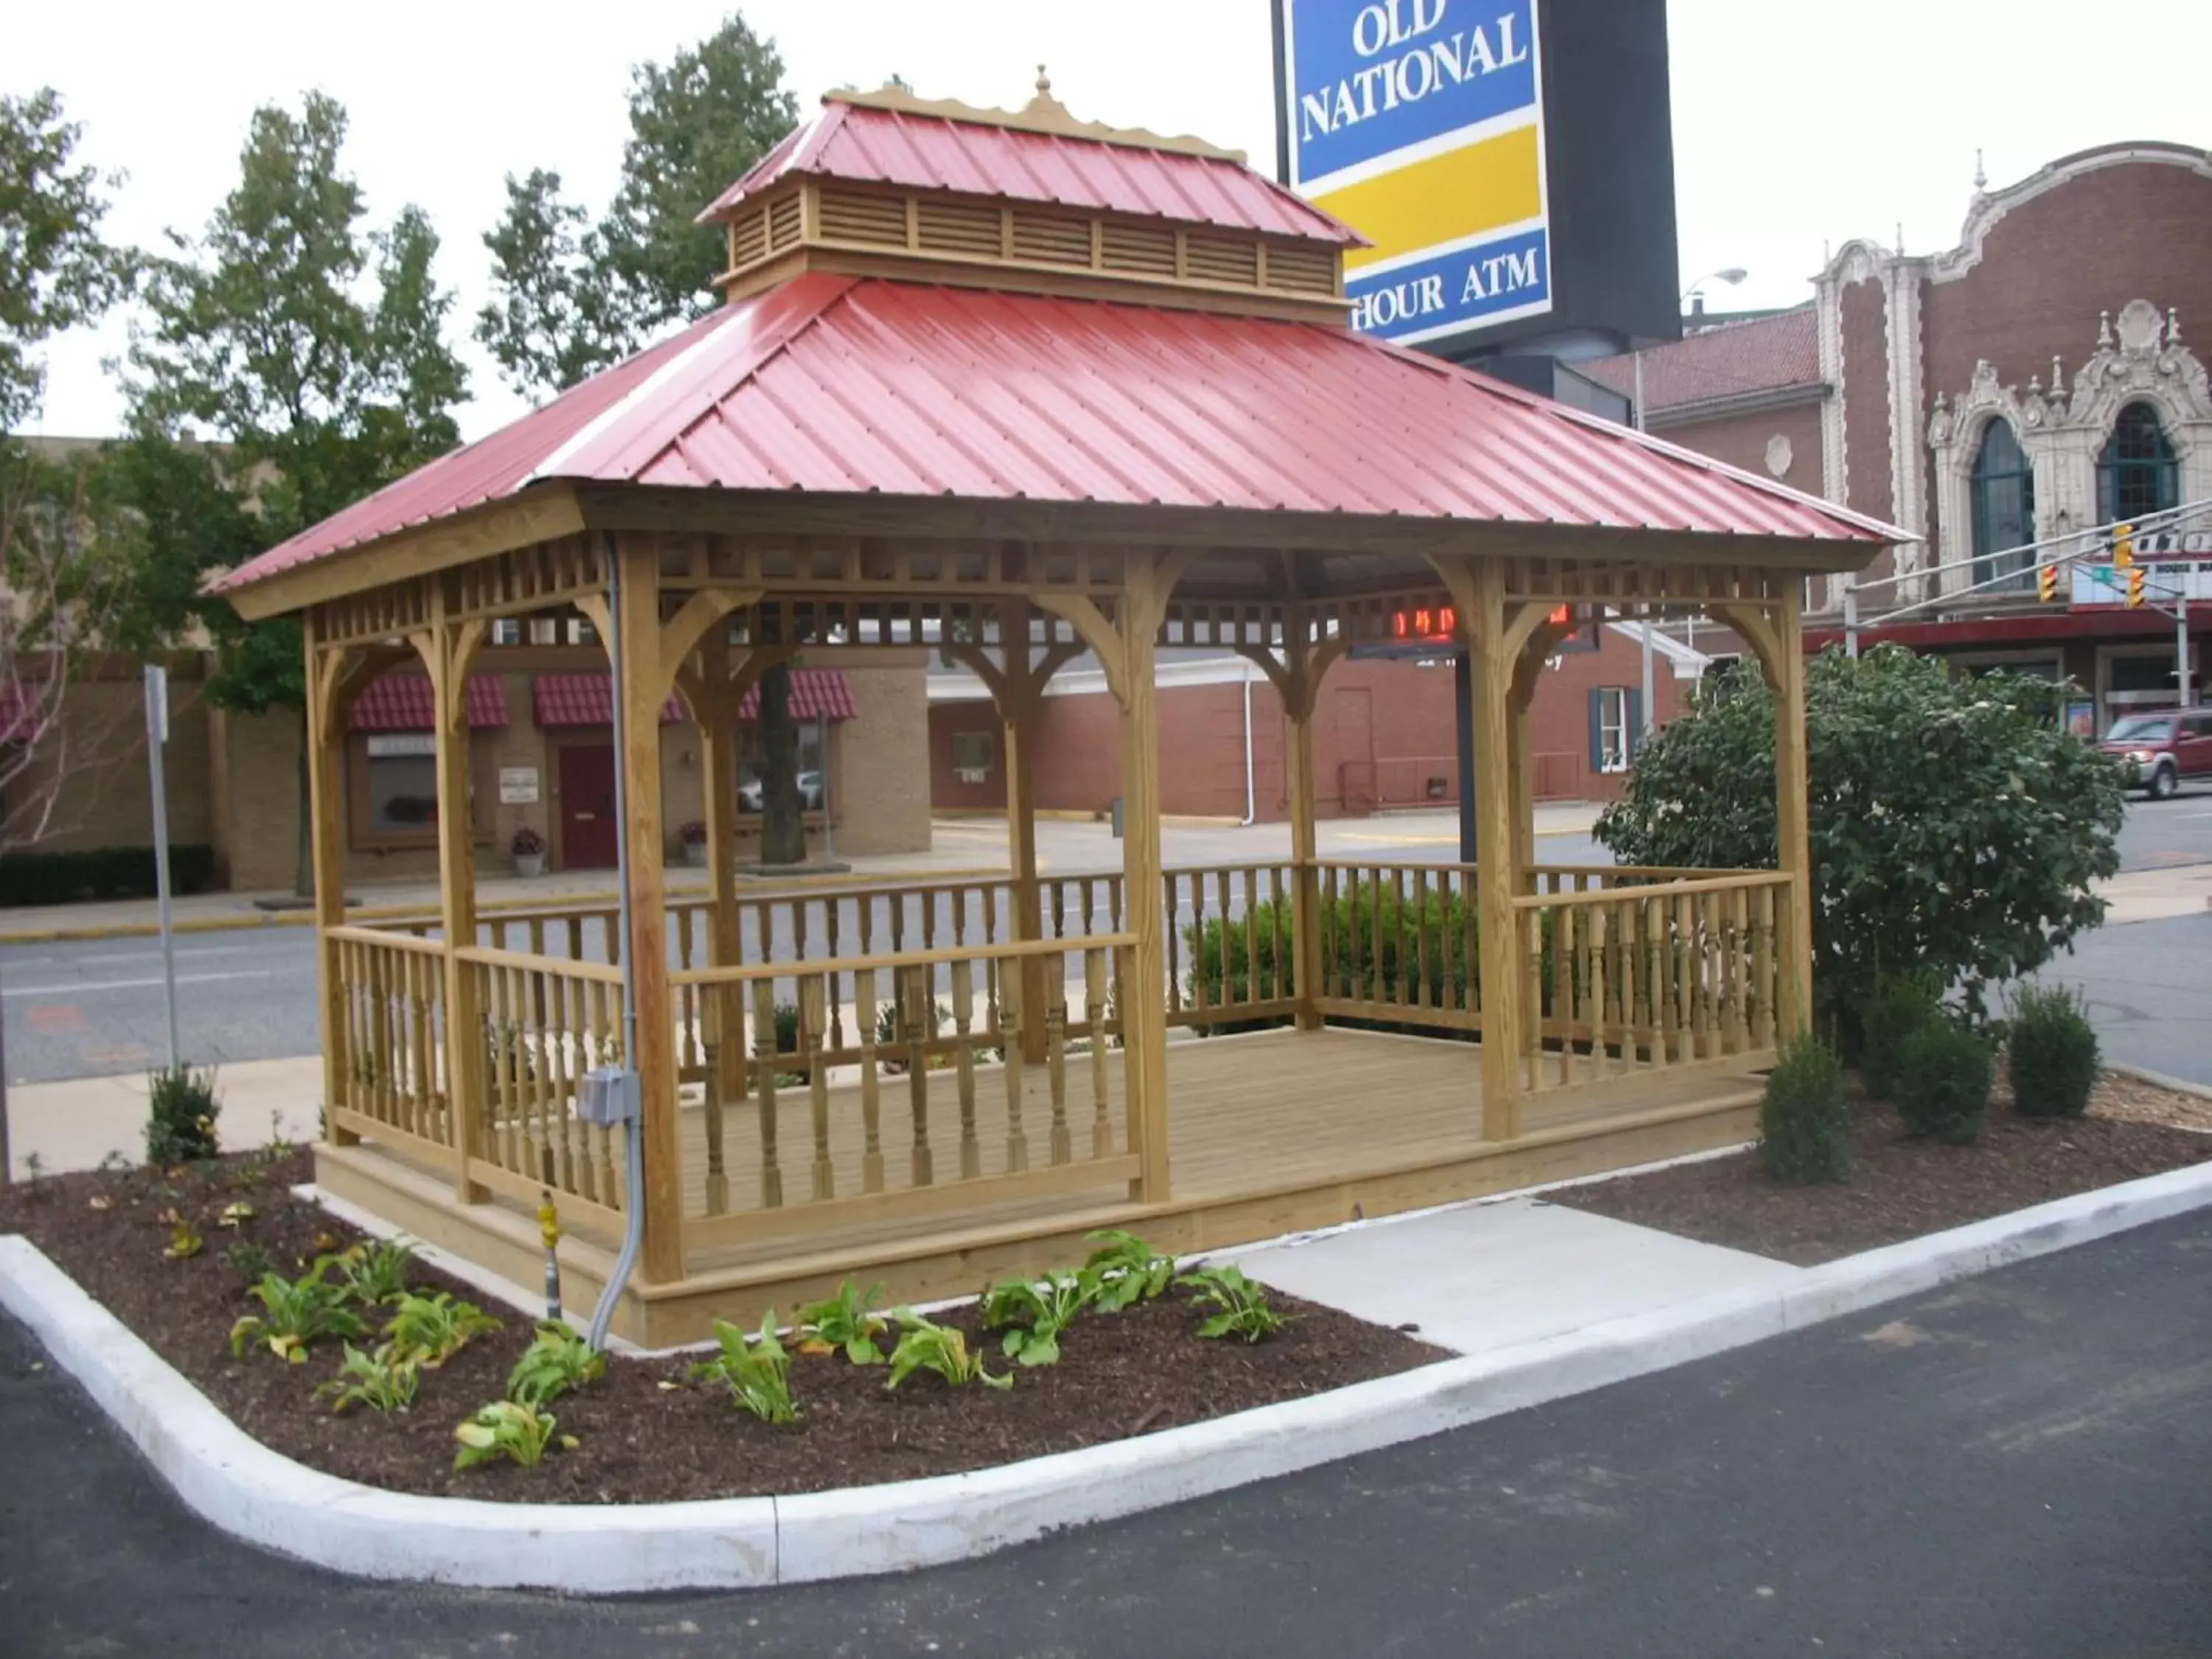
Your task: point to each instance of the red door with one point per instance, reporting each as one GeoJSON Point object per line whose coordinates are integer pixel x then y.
{"type": "Point", "coordinates": [587, 807]}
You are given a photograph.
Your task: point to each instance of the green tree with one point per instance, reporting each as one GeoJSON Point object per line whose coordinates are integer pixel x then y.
{"type": "Point", "coordinates": [1956, 828]}
{"type": "Point", "coordinates": [306, 350]}
{"type": "Point", "coordinates": [55, 269]}
{"type": "Point", "coordinates": [571, 297]}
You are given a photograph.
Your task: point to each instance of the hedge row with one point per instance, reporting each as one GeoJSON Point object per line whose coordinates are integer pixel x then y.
{"type": "Point", "coordinates": [100, 873]}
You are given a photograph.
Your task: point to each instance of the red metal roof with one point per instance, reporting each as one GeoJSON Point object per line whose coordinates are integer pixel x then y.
{"type": "Point", "coordinates": [846, 384]}
{"type": "Point", "coordinates": [915, 151]}
{"type": "Point", "coordinates": [585, 700]}
{"type": "Point", "coordinates": [1766, 354]}
{"type": "Point", "coordinates": [402, 702]}
{"type": "Point", "coordinates": [816, 693]}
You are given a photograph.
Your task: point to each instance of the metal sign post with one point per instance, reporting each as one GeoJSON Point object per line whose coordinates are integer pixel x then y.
{"type": "Point", "coordinates": [157, 735]}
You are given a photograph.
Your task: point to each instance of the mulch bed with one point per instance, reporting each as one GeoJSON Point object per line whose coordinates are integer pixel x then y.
{"type": "Point", "coordinates": [643, 1441]}
{"type": "Point", "coordinates": [1903, 1187]}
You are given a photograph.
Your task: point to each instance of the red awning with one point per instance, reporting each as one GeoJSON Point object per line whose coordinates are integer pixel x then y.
{"type": "Point", "coordinates": [585, 700]}
{"type": "Point", "coordinates": [22, 712]}
{"type": "Point", "coordinates": [816, 693]}
{"type": "Point", "coordinates": [402, 702]}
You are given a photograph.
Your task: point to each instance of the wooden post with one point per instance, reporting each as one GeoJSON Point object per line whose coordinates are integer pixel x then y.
{"type": "Point", "coordinates": [446, 653]}
{"type": "Point", "coordinates": [643, 689]}
{"type": "Point", "coordinates": [1145, 1016]}
{"type": "Point", "coordinates": [717, 714]}
{"type": "Point", "coordinates": [1490, 663]}
{"type": "Point", "coordinates": [1306, 877]}
{"type": "Point", "coordinates": [1784, 663]}
{"type": "Point", "coordinates": [325, 828]}
{"type": "Point", "coordinates": [1524, 793]}
{"type": "Point", "coordinates": [1019, 699]}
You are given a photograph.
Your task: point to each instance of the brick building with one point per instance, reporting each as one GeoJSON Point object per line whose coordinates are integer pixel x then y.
{"type": "Point", "coordinates": [2032, 381]}
{"type": "Point", "coordinates": [1384, 733]}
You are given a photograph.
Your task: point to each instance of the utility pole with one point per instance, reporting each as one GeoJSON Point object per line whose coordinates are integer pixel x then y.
{"type": "Point", "coordinates": [1651, 705]}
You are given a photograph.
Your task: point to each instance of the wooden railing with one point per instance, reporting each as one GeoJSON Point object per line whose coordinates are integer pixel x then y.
{"type": "Point", "coordinates": [1228, 943]}
{"type": "Point", "coordinates": [864, 1090]}
{"type": "Point", "coordinates": [1642, 973]}
{"type": "Point", "coordinates": [390, 1070]}
{"type": "Point", "coordinates": [1399, 944]}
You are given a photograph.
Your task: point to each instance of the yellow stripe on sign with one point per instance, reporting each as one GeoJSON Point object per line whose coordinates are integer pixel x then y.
{"type": "Point", "coordinates": [1442, 198]}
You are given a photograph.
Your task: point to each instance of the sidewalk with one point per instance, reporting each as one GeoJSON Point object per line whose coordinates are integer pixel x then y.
{"type": "Point", "coordinates": [74, 1125]}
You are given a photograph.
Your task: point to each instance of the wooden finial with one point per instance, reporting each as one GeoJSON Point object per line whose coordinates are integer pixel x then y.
{"type": "Point", "coordinates": [1044, 83]}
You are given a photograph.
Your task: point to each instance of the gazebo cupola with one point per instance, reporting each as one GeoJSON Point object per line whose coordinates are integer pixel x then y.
{"type": "Point", "coordinates": [885, 184]}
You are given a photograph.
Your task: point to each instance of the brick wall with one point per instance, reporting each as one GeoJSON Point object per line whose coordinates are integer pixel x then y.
{"type": "Point", "coordinates": [93, 768]}
{"type": "Point", "coordinates": [882, 756]}
{"type": "Point", "coordinates": [1742, 440]}
{"type": "Point", "coordinates": [1866, 398]}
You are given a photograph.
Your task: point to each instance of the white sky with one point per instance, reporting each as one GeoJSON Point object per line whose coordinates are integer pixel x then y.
{"type": "Point", "coordinates": [1795, 123]}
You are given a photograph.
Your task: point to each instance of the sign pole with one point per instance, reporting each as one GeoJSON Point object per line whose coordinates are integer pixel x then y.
{"type": "Point", "coordinates": [157, 736]}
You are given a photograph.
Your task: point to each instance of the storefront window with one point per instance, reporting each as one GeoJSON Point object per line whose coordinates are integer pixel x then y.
{"type": "Point", "coordinates": [2004, 510]}
{"type": "Point", "coordinates": [813, 773]}
{"type": "Point", "coordinates": [403, 783]}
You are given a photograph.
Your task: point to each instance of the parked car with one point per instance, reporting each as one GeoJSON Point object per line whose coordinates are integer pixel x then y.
{"type": "Point", "coordinates": [2163, 750]}
{"type": "Point", "coordinates": [809, 793]}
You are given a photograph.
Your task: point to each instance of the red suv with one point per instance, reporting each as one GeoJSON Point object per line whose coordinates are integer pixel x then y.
{"type": "Point", "coordinates": [2163, 748]}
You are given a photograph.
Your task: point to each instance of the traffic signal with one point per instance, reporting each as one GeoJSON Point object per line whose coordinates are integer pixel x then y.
{"type": "Point", "coordinates": [2046, 582]}
{"type": "Point", "coordinates": [2123, 547]}
{"type": "Point", "coordinates": [2135, 585]}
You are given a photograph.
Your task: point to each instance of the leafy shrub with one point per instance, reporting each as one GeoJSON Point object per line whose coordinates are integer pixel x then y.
{"type": "Point", "coordinates": [1804, 1122]}
{"type": "Point", "coordinates": [506, 1428]}
{"type": "Point", "coordinates": [1900, 1004]}
{"type": "Point", "coordinates": [1033, 1312]}
{"type": "Point", "coordinates": [844, 1321]}
{"type": "Point", "coordinates": [249, 1261]}
{"type": "Point", "coordinates": [757, 1372]}
{"type": "Point", "coordinates": [432, 1329]}
{"type": "Point", "coordinates": [180, 1116]}
{"type": "Point", "coordinates": [2050, 1053]}
{"type": "Point", "coordinates": [385, 1381]}
{"type": "Point", "coordinates": [1242, 1306]}
{"type": "Point", "coordinates": [1124, 1270]}
{"type": "Point", "coordinates": [184, 1240]}
{"type": "Point", "coordinates": [101, 873]}
{"type": "Point", "coordinates": [375, 1273]}
{"type": "Point", "coordinates": [1943, 1082]}
{"type": "Point", "coordinates": [923, 1347]}
{"type": "Point", "coordinates": [557, 1362]}
{"type": "Point", "coordinates": [1955, 826]}
{"type": "Point", "coordinates": [295, 1313]}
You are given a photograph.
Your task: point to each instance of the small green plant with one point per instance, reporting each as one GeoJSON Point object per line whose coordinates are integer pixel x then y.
{"type": "Point", "coordinates": [432, 1329]}
{"type": "Point", "coordinates": [1898, 1008]}
{"type": "Point", "coordinates": [506, 1428]}
{"type": "Point", "coordinates": [1126, 1270]}
{"type": "Point", "coordinates": [372, 1273]}
{"type": "Point", "coordinates": [1943, 1082]}
{"type": "Point", "coordinates": [184, 1240]}
{"type": "Point", "coordinates": [1804, 1122]}
{"type": "Point", "coordinates": [180, 1120]}
{"type": "Point", "coordinates": [845, 1321]}
{"type": "Point", "coordinates": [248, 1261]}
{"type": "Point", "coordinates": [756, 1371]}
{"type": "Point", "coordinates": [2050, 1053]}
{"type": "Point", "coordinates": [385, 1381]}
{"type": "Point", "coordinates": [1035, 1311]}
{"type": "Point", "coordinates": [1243, 1309]}
{"type": "Point", "coordinates": [295, 1313]}
{"type": "Point", "coordinates": [35, 1168]}
{"type": "Point", "coordinates": [923, 1347]}
{"type": "Point", "coordinates": [557, 1362]}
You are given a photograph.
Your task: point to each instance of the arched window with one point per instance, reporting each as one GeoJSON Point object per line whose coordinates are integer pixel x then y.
{"type": "Point", "coordinates": [2137, 474]}
{"type": "Point", "coordinates": [2004, 507]}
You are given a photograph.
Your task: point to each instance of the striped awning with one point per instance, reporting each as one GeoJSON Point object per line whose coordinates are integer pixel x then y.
{"type": "Point", "coordinates": [402, 702]}
{"type": "Point", "coordinates": [816, 693]}
{"type": "Point", "coordinates": [585, 700]}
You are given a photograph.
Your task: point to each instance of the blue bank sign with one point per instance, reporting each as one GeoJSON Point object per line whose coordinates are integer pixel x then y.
{"type": "Point", "coordinates": [1419, 123]}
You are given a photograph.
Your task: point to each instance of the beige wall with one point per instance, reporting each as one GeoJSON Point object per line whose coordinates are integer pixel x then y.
{"type": "Point", "coordinates": [881, 758]}
{"type": "Point", "coordinates": [94, 767]}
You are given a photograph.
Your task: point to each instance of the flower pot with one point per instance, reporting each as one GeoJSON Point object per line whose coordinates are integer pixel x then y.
{"type": "Point", "coordinates": [530, 864]}
{"type": "Point", "coordinates": [694, 854]}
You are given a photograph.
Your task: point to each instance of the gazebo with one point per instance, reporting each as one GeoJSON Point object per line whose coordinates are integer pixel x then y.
{"type": "Point", "coordinates": [1021, 387]}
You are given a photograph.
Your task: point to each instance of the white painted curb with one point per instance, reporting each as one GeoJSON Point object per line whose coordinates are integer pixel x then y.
{"type": "Point", "coordinates": [253, 1493]}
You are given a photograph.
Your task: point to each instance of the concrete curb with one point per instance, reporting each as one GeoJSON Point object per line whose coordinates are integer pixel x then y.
{"type": "Point", "coordinates": [253, 1493]}
{"type": "Point", "coordinates": [2180, 1085]}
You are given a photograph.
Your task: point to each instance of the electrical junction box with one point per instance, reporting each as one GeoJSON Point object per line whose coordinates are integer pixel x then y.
{"type": "Point", "coordinates": [608, 1096]}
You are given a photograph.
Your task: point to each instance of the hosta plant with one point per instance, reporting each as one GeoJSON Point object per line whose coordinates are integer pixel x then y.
{"type": "Point", "coordinates": [374, 1272]}
{"type": "Point", "coordinates": [506, 1428]}
{"type": "Point", "coordinates": [1125, 1270]}
{"type": "Point", "coordinates": [923, 1347]}
{"type": "Point", "coordinates": [757, 1372]}
{"type": "Point", "coordinates": [557, 1362]}
{"type": "Point", "coordinates": [184, 1240]}
{"type": "Point", "coordinates": [845, 1321]}
{"type": "Point", "coordinates": [295, 1313]}
{"type": "Point", "coordinates": [1033, 1312]}
{"type": "Point", "coordinates": [432, 1329]}
{"type": "Point", "coordinates": [1241, 1307]}
{"type": "Point", "coordinates": [384, 1381]}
